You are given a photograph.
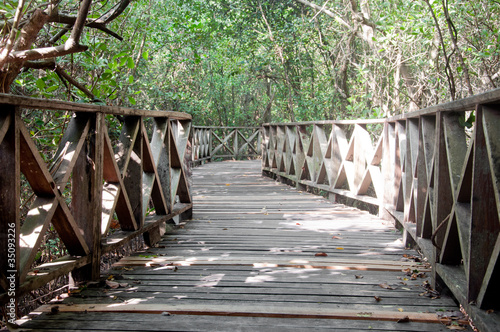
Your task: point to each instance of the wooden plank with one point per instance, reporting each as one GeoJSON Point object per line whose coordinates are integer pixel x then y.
{"type": "Point", "coordinates": [181, 261]}
{"type": "Point", "coordinates": [34, 167]}
{"type": "Point", "coordinates": [127, 322]}
{"type": "Point", "coordinates": [46, 104]}
{"type": "Point", "coordinates": [250, 312]}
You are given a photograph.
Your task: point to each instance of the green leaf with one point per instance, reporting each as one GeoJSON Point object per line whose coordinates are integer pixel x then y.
{"type": "Point", "coordinates": [131, 79]}
{"type": "Point", "coordinates": [40, 84]}
{"type": "Point", "coordinates": [132, 100]}
{"type": "Point", "coordinates": [123, 61]}
{"type": "Point", "coordinates": [130, 63]}
{"type": "Point", "coordinates": [52, 88]}
{"type": "Point", "coordinates": [145, 55]}
{"type": "Point", "coordinates": [119, 55]}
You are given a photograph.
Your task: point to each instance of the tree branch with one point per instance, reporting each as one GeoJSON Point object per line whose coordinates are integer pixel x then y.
{"type": "Point", "coordinates": [114, 14]}
{"type": "Point", "coordinates": [81, 19]}
{"type": "Point", "coordinates": [70, 20]}
{"type": "Point", "coordinates": [74, 82]}
{"type": "Point", "coordinates": [326, 11]}
{"type": "Point", "coordinates": [448, 71]}
{"type": "Point", "coordinates": [44, 64]}
{"type": "Point", "coordinates": [44, 53]}
{"type": "Point", "coordinates": [13, 32]}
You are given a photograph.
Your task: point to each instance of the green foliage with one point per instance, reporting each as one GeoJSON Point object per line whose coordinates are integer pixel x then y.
{"type": "Point", "coordinates": [244, 62]}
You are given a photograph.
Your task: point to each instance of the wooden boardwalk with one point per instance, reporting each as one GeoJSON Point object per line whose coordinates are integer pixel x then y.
{"type": "Point", "coordinates": [260, 256]}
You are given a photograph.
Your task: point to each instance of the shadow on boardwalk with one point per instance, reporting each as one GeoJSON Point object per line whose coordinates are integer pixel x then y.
{"type": "Point", "coordinates": [259, 256]}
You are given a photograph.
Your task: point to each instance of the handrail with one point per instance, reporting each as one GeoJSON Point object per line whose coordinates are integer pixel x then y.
{"type": "Point", "coordinates": [210, 142]}
{"type": "Point", "coordinates": [436, 178]}
{"type": "Point", "coordinates": [142, 178]}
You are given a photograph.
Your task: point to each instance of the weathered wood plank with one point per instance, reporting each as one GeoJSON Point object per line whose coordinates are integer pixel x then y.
{"type": "Point", "coordinates": [250, 312]}
{"type": "Point", "coordinates": [124, 322]}
{"type": "Point", "coordinates": [50, 104]}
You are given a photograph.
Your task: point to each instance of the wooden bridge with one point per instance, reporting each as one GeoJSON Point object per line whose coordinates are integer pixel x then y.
{"type": "Point", "coordinates": [256, 253]}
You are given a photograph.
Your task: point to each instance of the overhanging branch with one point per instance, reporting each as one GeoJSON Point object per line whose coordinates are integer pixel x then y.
{"type": "Point", "coordinates": [326, 11]}
{"type": "Point", "coordinates": [44, 53]}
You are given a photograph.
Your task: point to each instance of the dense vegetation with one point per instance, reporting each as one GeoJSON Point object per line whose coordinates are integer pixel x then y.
{"type": "Point", "coordinates": [243, 62]}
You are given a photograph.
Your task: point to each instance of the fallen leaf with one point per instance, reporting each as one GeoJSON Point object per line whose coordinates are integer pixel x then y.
{"type": "Point", "coordinates": [377, 298]}
{"type": "Point", "coordinates": [490, 311]}
{"type": "Point", "coordinates": [400, 309]}
{"type": "Point", "coordinates": [224, 229]}
{"type": "Point", "coordinates": [228, 184]}
{"type": "Point", "coordinates": [323, 254]}
{"type": "Point", "coordinates": [123, 284]}
{"type": "Point", "coordinates": [112, 284]}
{"type": "Point", "coordinates": [297, 223]}
{"type": "Point", "coordinates": [336, 237]}
{"type": "Point", "coordinates": [358, 276]}
{"type": "Point", "coordinates": [128, 268]}
{"type": "Point", "coordinates": [456, 327]}
{"type": "Point", "coordinates": [386, 286]}
{"type": "Point", "coordinates": [405, 319]}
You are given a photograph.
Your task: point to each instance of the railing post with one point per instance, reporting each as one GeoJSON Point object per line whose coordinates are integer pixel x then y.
{"type": "Point", "coordinates": [210, 147]}
{"type": "Point", "coordinates": [87, 195]}
{"type": "Point", "coordinates": [235, 144]}
{"type": "Point", "coordinates": [388, 161]}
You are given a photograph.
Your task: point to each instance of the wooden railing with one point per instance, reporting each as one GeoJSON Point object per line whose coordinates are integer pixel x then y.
{"type": "Point", "coordinates": [211, 143]}
{"type": "Point", "coordinates": [439, 179]}
{"type": "Point", "coordinates": [139, 177]}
